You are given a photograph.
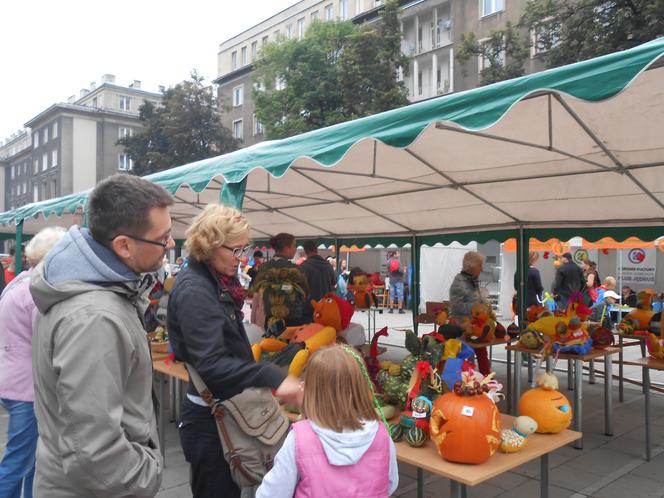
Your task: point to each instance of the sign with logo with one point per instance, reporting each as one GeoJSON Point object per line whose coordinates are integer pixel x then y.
{"type": "Point", "coordinates": [638, 266]}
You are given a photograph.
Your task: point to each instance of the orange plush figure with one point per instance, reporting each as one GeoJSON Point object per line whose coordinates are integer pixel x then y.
{"type": "Point", "coordinates": [364, 299]}
{"type": "Point", "coordinates": [481, 327]}
{"type": "Point", "coordinates": [331, 315]}
{"type": "Point", "coordinates": [638, 321]}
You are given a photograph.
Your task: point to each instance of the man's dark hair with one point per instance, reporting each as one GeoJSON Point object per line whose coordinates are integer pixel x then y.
{"type": "Point", "coordinates": [310, 246]}
{"type": "Point", "coordinates": [258, 254]}
{"type": "Point", "coordinates": [121, 204]}
{"type": "Point", "coordinates": [281, 241]}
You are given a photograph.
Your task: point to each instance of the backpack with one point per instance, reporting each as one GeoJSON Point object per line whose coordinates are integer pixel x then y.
{"type": "Point", "coordinates": [252, 427]}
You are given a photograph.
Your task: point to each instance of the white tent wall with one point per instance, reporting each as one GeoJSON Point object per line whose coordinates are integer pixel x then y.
{"type": "Point", "coordinates": [508, 269]}
{"type": "Point", "coordinates": [438, 266]}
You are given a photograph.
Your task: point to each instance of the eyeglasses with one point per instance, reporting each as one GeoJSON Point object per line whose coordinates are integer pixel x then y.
{"type": "Point", "coordinates": [163, 245]}
{"type": "Point", "coordinates": [238, 252]}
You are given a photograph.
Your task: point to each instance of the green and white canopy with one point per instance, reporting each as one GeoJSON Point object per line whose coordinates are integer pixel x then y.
{"type": "Point", "coordinates": [576, 146]}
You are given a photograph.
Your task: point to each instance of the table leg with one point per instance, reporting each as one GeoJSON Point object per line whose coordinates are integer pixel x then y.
{"type": "Point", "coordinates": [420, 482]}
{"type": "Point", "coordinates": [178, 399]}
{"type": "Point", "coordinates": [608, 395]}
{"type": "Point", "coordinates": [490, 356]}
{"type": "Point", "coordinates": [510, 394]}
{"type": "Point", "coordinates": [591, 373]}
{"type": "Point", "coordinates": [455, 491]}
{"type": "Point", "coordinates": [642, 344]}
{"type": "Point", "coordinates": [578, 401]}
{"type": "Point", "coordinates": [530, 369]}
{"type": "Point", "coordinates": [570, 376]}
{"type": "Point", "coordinates": [549, 364]}
{"type": "Point", "coordinates": [171, 394]}
{"type": "Point", "coordinates": [162, 406]}
{"type": "Point", "coordinates": [646, 385]}
{"type": "Point", "coordinates": [544, 476]}
{"type": "Point", "coordinates": [464, 491]}
{"type": "Point", "coordinates": [517, 383]}
{"type": "Point", "coordinates": [620, 368]}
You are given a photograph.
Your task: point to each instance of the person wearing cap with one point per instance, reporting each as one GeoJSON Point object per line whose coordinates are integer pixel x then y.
{"type": "Point", "coordinates": [569, 279]}
{"type": "Point", "coordinates": [600, 310]}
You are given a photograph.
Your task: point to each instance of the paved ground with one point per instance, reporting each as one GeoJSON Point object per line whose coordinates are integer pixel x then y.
{"type": "Point", "coordinates": [607, 467]}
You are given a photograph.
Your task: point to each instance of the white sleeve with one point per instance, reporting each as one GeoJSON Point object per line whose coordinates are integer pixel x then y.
{"type": "Point", "coordinates": [393, 483]}
{"type": "Point", "coordinates": [280, 482]}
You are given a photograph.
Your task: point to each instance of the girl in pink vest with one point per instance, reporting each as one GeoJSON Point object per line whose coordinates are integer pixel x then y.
{"type": "Point", "coordinates": [342, 447]}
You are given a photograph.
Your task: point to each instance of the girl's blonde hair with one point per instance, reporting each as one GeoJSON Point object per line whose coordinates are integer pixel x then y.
{"type": "Point", "coordinates": [337, 396]}
{"type": "Point", "coordinates": [213, 226]}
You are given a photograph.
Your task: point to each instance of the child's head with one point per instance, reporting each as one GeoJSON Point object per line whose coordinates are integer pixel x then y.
{"type": "Point", "coordinates": [610, 283]}
{"type": "Point", "coordinates": [337, 395]}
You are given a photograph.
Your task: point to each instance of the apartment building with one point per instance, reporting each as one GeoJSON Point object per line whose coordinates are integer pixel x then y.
{"type": "Point", "coordinates": [431, 30]}
{"type": "Point", "coordinates": [70, 146]}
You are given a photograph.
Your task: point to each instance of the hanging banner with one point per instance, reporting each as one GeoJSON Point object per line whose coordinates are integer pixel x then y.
{"type": "Point", "coordinates": [638, 266]}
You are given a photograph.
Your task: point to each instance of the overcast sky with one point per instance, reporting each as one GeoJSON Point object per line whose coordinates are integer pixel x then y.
{"type": "Point", "coordinates": [50, 49]}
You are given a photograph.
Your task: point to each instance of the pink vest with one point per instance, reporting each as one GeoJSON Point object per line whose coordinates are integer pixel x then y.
{"type": "Point", "coordinates": [368, 478]}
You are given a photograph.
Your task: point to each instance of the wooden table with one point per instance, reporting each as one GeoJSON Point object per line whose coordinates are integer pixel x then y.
{"type": "Point", "coordinates": [462, 475]}
{"type": "Point", "coordinates": [637, 339]}
{"type": "Point", "coordinates": [647, 364]}
{"type": "Point", "coordinates": [578, 383]}
{"type": "Point", "coordinates": [177, 373]}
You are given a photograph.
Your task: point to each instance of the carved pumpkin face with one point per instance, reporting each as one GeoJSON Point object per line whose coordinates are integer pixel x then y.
{"type": "Point", "coordinates": [548, 407]}
{"type": "Point", "coordinates": [465, 429]}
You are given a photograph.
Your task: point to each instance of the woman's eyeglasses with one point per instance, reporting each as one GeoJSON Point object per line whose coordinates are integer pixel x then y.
{"type": "Point", "coordinates": [239, 252]}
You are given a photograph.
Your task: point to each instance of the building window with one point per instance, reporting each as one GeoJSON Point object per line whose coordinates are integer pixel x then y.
{"type": "Point", "coordinates": [485, 62]}
{"type": "Point", "coordinates": [94, 102]}
{"type": "Point", "coordinates": [54, 184]}
{"type": "Point", "coordinates": [54, 158]}
{"type": "Point", "coordinates": [35, 140]}
{"type": "Point", "coordinates": [254, 50]}
{"type": "Point", "coordinates": [55, 130]}
{"type": "Point", "coordinates": [35, 193]}
{"type": "Point", "coordinates": [419, 83]}
{"type": "Point", "coordinates": [264, 41]}
{"type": "Point", "coordinates": [279, 83]}
{"type": "Point", "coordinates": [36, 166]}
{"type": "Point", "coordinates": [343, 10]}
{"type": "Point", "coordinates": [492, 6]}
{"type": "Point", "coordinates": [243, 56]}
{"type": "Point", "coordinates": [359, 7]}
{"type": "Point", "coordinates": [258, 126]}
{"type": "Point", "coordinates": [238, 95]}
{"type": "Point", "coordinates": [315, 16]}
{"type": "Point", "coordinates": [234, 60]}
{"type": "Point", "coordinates": [25, 187]}
{"type": "Point", "coordinates": [12, 172]}
{"type": "Point", "coordinates": [45, 135]}
{"type": "Point", "coordinates": [237, 129]}
{"type": "Point", "coordinates": [45, 162]}
{"type": "Point", "coordinates": [124, 132]}
{"type": "Point", "coordinates": [125, 103]}
{"type": "Point", "coordinates": [277, 34]}
{"type": "Point", "coordinates": [289, 31]}
{"type": "Point", "coordinates": [329, 12]}
{"type": "Point", "coordinates": [43, 193]}
{"type": "Point", "coordinates": [539, 42]}
{"type": "Point", "coordinates": [125, 163]}
{"type": "Point", "coordinates": [300, 28]}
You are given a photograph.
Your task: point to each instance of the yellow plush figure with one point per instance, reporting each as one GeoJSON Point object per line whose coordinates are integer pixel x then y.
{"type": "Point", "coordinates": [639, 319]}
{"type": "Point", "coordinates": [363, 298]}
{"type": "Point", "coordinates": [512, 440]}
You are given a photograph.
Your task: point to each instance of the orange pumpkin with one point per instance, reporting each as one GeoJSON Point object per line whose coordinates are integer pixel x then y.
{"type": "Point", "coordinates": [549, 407]}
{"type": "Point", "coordinates": [465, 429]}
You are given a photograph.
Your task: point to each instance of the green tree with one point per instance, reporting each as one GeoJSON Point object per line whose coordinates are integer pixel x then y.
{"type": "Point", "coordinates": [337, 72]}
{"type": "Point", "coordinates": [568, 31]}
{"type": "Point", "coordinates": [185, 128]}
{"type": "Point", "coordinates": [503, 53]}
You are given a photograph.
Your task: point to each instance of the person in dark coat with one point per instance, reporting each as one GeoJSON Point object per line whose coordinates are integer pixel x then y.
{"type": "Point", "coordinates": [534, 287]}
{"type": "Point", "coordinates": [320, 277]}
{"type": "Point", "coordinates": [569, 279]}
{"type": "Point", "coordinates": [206, 330]}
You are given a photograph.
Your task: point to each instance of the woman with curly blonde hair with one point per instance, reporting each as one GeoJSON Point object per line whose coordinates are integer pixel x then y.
{"type": "Point", "coordinates": [206, 331]}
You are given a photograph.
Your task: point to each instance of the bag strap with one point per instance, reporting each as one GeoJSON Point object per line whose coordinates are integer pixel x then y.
{"type": "Point", "coordinates": [218, 414]}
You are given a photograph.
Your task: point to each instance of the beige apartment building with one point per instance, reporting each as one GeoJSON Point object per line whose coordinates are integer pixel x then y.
{"type": "Point", "coordinates": [70, 146]}
{"type": "Point", "coordinates": [431, 31]}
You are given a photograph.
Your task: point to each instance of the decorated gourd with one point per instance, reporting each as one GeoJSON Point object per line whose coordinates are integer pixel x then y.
{"type": "Point", "coordinates": [602, 337]}
{"type": "Point", "coordinates": [396, 431]}
{"type": "Point", "coordinates": [465, 424]}
{"type": "Point", "coordinates": [547, 406]}
{"type": "Point", "coordinates": [415, 436]}
{"type": "Point", "coordinates": [512, 440]}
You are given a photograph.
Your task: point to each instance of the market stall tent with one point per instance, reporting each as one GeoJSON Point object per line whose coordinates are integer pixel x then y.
{"type": "Point", "coordinates": [574, 147]}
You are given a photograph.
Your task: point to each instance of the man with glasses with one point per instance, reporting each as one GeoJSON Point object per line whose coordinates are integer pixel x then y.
{"type": "Point", "coordinates": [91, 360]}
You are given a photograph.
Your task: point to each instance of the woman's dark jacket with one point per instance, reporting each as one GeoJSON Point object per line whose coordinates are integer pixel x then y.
{"type": "Point", "coordinates": [534, 287]}
{"type": "Point", "coordinates": [205, 330]}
